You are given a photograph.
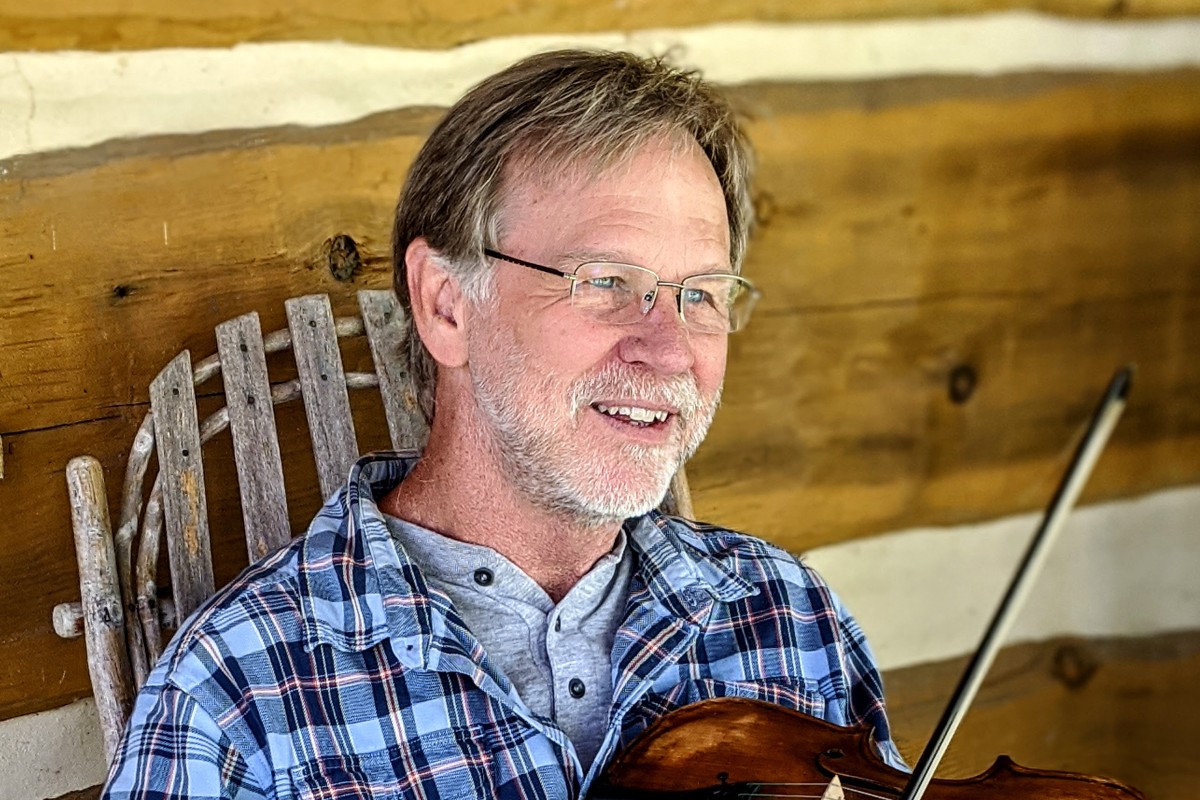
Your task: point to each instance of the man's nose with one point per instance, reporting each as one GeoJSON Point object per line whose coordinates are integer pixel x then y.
{"type": "Point", "coordinates": [660, 340]}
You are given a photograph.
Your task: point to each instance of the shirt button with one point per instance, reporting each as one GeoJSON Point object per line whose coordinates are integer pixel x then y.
{"type": "Point", "coordinates": [484, 577]}
{"type": "Point", "coordinates": [576, 688]}
{"type": "Point", "coordinates": [557, 624]}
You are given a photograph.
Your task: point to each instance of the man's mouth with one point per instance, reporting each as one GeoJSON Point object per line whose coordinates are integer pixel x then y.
{"type": "Point", "coordinates": [634, 415]}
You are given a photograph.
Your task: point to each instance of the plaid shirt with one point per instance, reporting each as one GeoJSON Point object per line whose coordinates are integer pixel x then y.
{"type": "Point", "coordinates": [332, 671]}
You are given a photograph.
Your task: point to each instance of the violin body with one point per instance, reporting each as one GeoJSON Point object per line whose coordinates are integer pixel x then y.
{"type": "Point", "coordinates": [733, 747]}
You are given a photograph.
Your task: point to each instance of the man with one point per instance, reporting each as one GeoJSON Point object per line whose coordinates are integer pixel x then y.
{"type": "Point", "coordinates": [501, 615]}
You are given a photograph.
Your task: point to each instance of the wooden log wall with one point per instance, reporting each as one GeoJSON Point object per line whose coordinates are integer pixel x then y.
{"type": "Point", "coordinates": [140, 24]}
{"type": "Point", "coordinates": [953, 265]}
{"type": "Point", "coordinates": [1095, 706]}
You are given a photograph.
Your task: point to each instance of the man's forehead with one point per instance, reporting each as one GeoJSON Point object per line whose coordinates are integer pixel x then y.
{"type": "Point", "coordinates": [551, 171]}
{"type": "Point", "coordinates": [618, 211]}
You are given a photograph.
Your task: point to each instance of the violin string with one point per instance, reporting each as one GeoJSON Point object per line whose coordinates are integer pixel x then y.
{"type": "Point", "coordinates": [757, 792]}
{"type": "Point", "coordinates": [864, 793]}
{"type": "Point", "coordinates": [848, 790]}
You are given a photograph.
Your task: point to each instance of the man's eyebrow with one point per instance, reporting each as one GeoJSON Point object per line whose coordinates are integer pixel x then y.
{"type": "Point", "coordinates": [584, 256]}
{"type": "Point", "coordinates": [576, 257]}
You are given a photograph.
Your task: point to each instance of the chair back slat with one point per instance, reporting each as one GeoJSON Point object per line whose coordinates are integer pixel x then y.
{"type": "Point", "coordinates": [678, 500]}
{"type": "Point", "coordinates": [323, 386]}
{"type": "Point", "coordinates": [255, 441]}
{"type": "Point", "coordinates": [103, 610]}
{"type": "Point", "coordinates": [177, 432]}
{"type": "Point", "coordinates": [384, 321]}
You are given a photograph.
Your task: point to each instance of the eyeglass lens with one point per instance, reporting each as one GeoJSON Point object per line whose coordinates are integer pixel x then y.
{"type": "Point", "coordinates": [622, 293]}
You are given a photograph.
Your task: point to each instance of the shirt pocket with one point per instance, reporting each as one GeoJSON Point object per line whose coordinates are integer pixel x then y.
{"type": "Point", "coordinates": [445, 763]}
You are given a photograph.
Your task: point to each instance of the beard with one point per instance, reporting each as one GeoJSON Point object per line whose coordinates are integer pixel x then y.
{"type": "Point", "coordinates": [530, 420]}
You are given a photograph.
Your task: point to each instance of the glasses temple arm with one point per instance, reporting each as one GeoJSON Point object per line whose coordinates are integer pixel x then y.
{"type": "Point", "coordinates": [519, 262]}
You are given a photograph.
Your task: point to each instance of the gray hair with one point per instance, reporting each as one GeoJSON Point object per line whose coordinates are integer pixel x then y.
{"type": "Point", "coordinates": [554, 110]}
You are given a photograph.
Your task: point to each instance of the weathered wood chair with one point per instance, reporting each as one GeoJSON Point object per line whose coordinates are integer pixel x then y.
{"type": "Point", "coordinates": [120, 614]}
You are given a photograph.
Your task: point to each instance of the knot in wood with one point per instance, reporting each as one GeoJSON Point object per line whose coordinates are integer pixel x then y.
{"type": "Point", "coordinates": [110, 615]}
{"type": "Point", "coordinates": [343, 258]}
{"type": "Point", "coordinates": [963, 381]}
{"type": "Point", "coordinates": [1074, 666]}
{"type": "Point", "coordinates": [765, 207]}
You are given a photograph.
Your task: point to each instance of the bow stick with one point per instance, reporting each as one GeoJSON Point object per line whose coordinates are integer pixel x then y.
{"type": "Point", "coordinates": [1101, 426]}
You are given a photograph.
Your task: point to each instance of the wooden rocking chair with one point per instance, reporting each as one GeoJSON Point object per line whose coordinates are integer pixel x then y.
{"type": "Point", "coordinates": [120, 615]}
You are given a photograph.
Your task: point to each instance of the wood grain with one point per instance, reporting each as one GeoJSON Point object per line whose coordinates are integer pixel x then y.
{"type": "Point", "coordinates": [323, 386]}
{"type": "Point", "coordinates": [904, 238]}
{"type": "Point", "coordinates": [384, 322]}
{"type": "Point", "coordinates": [1114, 707]}
{"type": "Point", "coordinates": [103, 609]}
{"type": "Point", "coordinates": [255, 438]}
{"type": "Point", "coordinates": [184, 496]}
{"type": "Point", "coordinates": [144, 24]}
{"type": "Point", "coordinates": [1037, 230]}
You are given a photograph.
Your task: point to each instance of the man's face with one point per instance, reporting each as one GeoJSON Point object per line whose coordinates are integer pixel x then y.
{"type": "Point", "coordinates": [590, 418]}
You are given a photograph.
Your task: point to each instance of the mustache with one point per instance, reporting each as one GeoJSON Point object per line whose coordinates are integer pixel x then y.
{"type": "Point", "coordinates": [618, 381]}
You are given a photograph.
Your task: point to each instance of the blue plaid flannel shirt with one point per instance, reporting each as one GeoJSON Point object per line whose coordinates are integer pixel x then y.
{"type": "Point", "coordinates": [331, 670]}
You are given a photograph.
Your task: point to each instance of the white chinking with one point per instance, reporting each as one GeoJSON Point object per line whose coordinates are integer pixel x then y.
{"type": "Point", "coordinates": [53, 101]}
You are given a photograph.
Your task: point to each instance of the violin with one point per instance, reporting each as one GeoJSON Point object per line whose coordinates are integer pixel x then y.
{"type": "Point", "coordinates": [732, 747]}
{"type": "Point", "coordinates": [739, 748]}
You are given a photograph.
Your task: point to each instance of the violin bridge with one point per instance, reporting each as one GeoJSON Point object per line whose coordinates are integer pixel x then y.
{"type": "Point", "coordinates": [834, 790]}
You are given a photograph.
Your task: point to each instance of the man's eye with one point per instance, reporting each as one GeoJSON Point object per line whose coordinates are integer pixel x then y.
{"type": "Point", "coordinates": [606, 282]}
{"type": "Point", "coordinates": [693, 297]}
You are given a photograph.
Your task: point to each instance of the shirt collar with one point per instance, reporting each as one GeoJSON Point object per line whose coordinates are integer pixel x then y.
{"type": "Point", "coordinates": [676, 558]}
{"type": "Point", "coordinates": [357, 588]}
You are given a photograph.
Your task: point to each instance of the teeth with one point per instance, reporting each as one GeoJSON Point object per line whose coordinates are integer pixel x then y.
{"type": "Point", "coordinates": [634, 413]}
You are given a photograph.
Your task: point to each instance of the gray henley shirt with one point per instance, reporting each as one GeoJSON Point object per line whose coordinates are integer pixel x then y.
{"type": "Point", "coordinates": [556, 656]}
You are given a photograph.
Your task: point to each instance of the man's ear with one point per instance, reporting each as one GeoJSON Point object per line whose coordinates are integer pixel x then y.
{"type": "Point", "coordinates": [438, 306]}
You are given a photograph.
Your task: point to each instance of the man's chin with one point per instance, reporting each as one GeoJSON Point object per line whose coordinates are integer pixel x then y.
{"type": "Point", "coordinates": [624, 498]}
{"type": "Point", "coordinates": [603, 515]}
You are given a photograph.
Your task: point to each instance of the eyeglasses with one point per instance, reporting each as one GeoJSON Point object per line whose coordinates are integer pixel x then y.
{"type": "Point", "coordinates": [622, 294]}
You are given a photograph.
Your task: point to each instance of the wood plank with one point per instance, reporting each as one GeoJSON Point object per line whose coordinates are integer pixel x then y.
{"type": "Point", "coordinates": [255, 437]}
{"type": "Point", "coordinates": [103, 608]}
{"type": "Point", "coordinates": [261, 257]}
{"type": "Point", "coordinates": [996, 241]}
{"type": "Point", "coordinates": [323, 386]}
{"type": "Point", "coordinates": [385, 324]}
{"type": "Point", "coordinates": [895, 450]}
{"type": "Point", "coordinates": [185, 510]}
{"type": "Point", "coordinates": [118, 25]}
{"type": "Point", "coordinates": [1100, 706]}
{"type": "Point", "coordinates": [679, 496]}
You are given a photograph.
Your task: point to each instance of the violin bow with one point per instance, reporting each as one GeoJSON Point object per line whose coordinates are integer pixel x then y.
{"type": "Point", "coordinates": [1103, 420]}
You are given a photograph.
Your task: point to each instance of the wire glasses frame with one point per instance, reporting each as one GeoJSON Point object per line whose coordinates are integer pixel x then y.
{"type": "Point", "coordinates": [622, 294]}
